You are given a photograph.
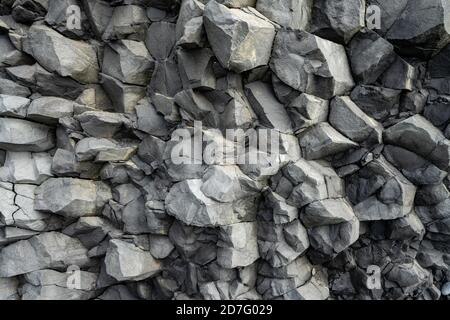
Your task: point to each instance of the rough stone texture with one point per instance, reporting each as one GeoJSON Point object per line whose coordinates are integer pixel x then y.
{"type": "Point", "coordinates": [240, 40]}
{"type": "Point", "coordinates": [311, 64]}
{"type": "Point", "coordinates": [224, 149]}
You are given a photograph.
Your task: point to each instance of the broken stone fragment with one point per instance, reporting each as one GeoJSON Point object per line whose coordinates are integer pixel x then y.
{"type": "Point", "coordinates": [101, 124]}
{"type": "Point", "coordinates": [294, 14]}
{"type": "Point", "coordinates": [228, 184]}
{"type": "Point", "coordinates": [201, 211]}
{"type": "Point", "coordinates": [377, 102]}
{"type": "Point", "coordinates": [127, 262]}
{"type": "Point", "coordinates": [26, 167]}
{"type": "Point", "coordinates": [416, 169]}
{"type": "Point", "coordinates": [46, 250]}
{"type": "Point", "coordinates": [22, 135]}
{"type": "Point", "coordinates": [13, 106]}
{"type": "Point", "coordinates": [270, 111]}
{"type": "Point", "coordinates": [196, 69]}
{"type": "Point", "coordinates": [418, 135]}
{"type": "Point", "coordinates": [237, 245]}
{"type": "Point", "coordinates": [325, 73]}
{"type": "Point", "coordinates": [72, 197]}
{"type": "Point", "coordinates": [400, 75]}
{"type": "Point", "coordinates": [279, 245]}
{"type": "Point", "coordinates": [380, 192]}
{"type": "Point", "coordinates": [67, 57]}
{"type": "Point", "coordinates": [370, 55]}
{"type": "Point", "coordinates": [325, 212]}
{"type": "Point", "coordinates": [235, 51]}
{"type": "Point", "coordinates": [99, 13]}
{"type": "Point", "coordinates": [337, 20]}
{"type": "Point", "coordinates": [307, 110]}
{"type": "Point", "coordinates": [128, 61]}
{"type": "Point", "coordinates": [332, 239]}
{"type": "Point", "coordinates": [44, 82]}
{"type": "Point", "coordinates": [53, 285]}
{"type": "Point", "coordinates": [9, 87]}
{"type": "Point", "coordinates": [194, 34]}
{"type": "Point", "coordinates": [9, 289]}
{"type": "Point", "coordinates": [127, 22]}
{"type": "Point", "coordinates": [323, 140]}
{"type": "Point", "coordinates": [124, 96]}
{"type": "Point", "coordinates": [149, 120]}
{"type": "Point", "coordinates": [282, 212]}
{"type": "Point", "coordinates": [422, 28]}
{"type": "Point", "coordinates": [348, 118]}
{"type": "Point", "coordinates": [161, 47]}
{"type": "Point", "coordinates": [50, 109]}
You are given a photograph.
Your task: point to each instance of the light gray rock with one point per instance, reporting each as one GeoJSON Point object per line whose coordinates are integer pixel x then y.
{"type": "Point", "coordinates": [326, 212]}
{"type": "Point", "coordinates": [127, 22]}
{"type": "Point", "coordinates": [390, 198]}
{"type": "Point", "coordinates": [238, 245]}
{"type": "Point", "coordinates": [238, 52]}
{"type": "Point", "coordinates": [323, 140]}
{"type": "Point", "coordinates": [46, 250]}
{"type": "Point", "coordinates": [294, 14]}
{"type": "Point", "coordinates": [53, 285]}
{"type": "Point", "coordinates": [22, 135]}
{"type": "Point", "coordinates": [228, 184]}
{"type": "Point", "coordinates": [280, 245]}
{"type": "Point", "coordinates": [26, 167]}
{"type": "Point", "coordinates": [124, 97]}
{"type": "Point", "coordinates": [149, 120]}
{"type": "Point", "coordinates": [9, 289]}
{"type": "Point", "coordinates": [72, 197]}
{"type": "Point", "coordinates": [13, 106]}
{"type": "Point", "coordinates": [202, 211]}
{"type": "Point", "coordinates": [50, 109]}
{"type": "Point", "coordinates": [128, 61]}
{"type": "Point", "coordinates": [9, 87]}
{"type": "Point", "coordinates": [126, 262]}
{"type": "Point", "coordinates": [101, 124]}
{"type": "Point", "coordinates": [160, 246]}
{"type": "Point", "coordinates": [307, 110]}
{"type": "Point", "coordinates": [325, 73]}
{"type": "Point", "coordinates": [270, 111]}
{"type": "Point", "coordinates": [67, 57]}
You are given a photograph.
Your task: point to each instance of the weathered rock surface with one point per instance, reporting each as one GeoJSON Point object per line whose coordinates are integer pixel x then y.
{"type": "Point", "coordinates": [311, 64]}
{"type": "Point", "coordinates": [235, 51]}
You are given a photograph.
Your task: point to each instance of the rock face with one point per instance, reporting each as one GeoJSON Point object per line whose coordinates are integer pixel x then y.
{"type": "Point", "coordinates": [22, 135]}
{"type": "Point", "coordinates": [47, 250]}
{"type": "Point", "coordinates": [224, 149]}
{"type": "Point", "coordinates": [311, 64]}
{"type": "Point", "coordinates": [240, 40]}
{"type": "Point", "coordinates": [59, 54]}
{"type": "Point", "coordinates": [126, 262]}
{"type": "Point", "coordinates": [72, 197]}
